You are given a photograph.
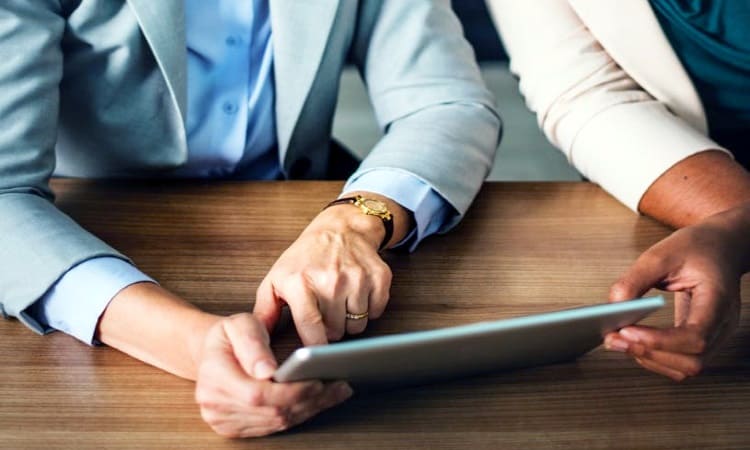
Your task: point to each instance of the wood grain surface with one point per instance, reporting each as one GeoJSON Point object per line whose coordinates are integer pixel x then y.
{"type": "Point", "coordinates": [523, 248]}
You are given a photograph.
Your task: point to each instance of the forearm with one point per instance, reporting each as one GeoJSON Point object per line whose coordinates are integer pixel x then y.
{"type": "Point", "coordinates": [150, 324]}
{"type": "Point", "coordinates": [697, 187]}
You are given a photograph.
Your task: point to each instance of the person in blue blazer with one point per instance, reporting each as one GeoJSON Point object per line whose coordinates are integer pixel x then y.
{"type": "Point", "coordinates": [242, 90]}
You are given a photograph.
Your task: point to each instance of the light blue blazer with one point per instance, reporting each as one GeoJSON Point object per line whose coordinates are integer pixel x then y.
{"type": "Point", "coordinates": [97, 88]}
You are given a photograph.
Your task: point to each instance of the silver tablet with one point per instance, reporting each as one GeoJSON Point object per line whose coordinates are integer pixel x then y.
{"type": "Point", "coordinates": [465, 350]}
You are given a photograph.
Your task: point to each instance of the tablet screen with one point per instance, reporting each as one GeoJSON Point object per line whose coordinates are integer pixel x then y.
{"type": "Point", "coordinates": [467, 349]}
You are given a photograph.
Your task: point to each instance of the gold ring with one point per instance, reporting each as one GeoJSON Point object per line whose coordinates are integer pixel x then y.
{"type": "Point", "coordinates": [354, 316]}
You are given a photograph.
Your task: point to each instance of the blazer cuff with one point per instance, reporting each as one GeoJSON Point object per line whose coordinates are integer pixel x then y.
{"type": "Point", "coordinates": [76, 302]}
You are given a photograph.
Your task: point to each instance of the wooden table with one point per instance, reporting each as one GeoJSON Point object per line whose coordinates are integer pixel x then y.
{"type": "Point", "coordinates": [523, 248]}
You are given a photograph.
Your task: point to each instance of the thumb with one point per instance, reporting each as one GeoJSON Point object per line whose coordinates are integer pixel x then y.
{"type": "Point", "coordinates": [267, 305]}
{"type": "Point", "coordinates": [251, 345]}
{"type": "Point", "coordinates": [645, 273]}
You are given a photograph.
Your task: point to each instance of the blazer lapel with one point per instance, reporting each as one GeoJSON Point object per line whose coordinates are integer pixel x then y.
{"type": "Point", "coordinates": [163, 25]}
{"type": "Point", "coordinates": [631, 33]}
{"type": "Point", "coordinates": [300, 36]}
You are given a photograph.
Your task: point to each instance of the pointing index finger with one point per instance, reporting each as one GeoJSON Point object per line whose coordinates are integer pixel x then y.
{"type": "Point", "coordinates": [303, 304]}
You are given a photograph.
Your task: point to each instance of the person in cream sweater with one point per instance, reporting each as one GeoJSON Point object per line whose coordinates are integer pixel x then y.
{"type": "Point", "coordinates": [651, 100]}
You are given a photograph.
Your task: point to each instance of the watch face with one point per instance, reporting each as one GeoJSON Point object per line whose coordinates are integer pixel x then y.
{"type": "Point", "coordinates": [375, 206]}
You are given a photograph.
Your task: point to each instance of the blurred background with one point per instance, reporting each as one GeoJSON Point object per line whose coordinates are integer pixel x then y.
{"type": "Point", "coordinates": [524, 153]}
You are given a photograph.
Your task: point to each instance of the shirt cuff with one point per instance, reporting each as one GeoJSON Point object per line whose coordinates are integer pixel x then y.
{"type": "Point", "coordinates": [431, 211]}
{"type": "Point", "coordinates": [74, 304]}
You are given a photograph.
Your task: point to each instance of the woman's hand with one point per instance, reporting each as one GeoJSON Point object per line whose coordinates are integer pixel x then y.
{"type": "Point", "coordinates": [332, 277]}
{"type": "Point", "coordinates": [234, 389]}
{"type": "Point", "coordinates": [702, 264]}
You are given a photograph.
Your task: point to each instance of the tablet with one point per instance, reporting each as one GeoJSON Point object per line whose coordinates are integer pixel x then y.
{"type": "Point", "coordinates": [482, 347]}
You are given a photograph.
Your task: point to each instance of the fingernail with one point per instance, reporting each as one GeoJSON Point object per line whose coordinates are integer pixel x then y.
{"type": "Point", "coordinates": [616, 345]}
{"type": "Point", "coordinates": [263, 370]}
{"type": "Point", "coordinates": [343, 391]}
{"type": "Point", "coordinates": [631, 334]}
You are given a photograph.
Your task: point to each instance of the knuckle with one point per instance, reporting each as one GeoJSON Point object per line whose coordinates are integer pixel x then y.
{"type": "Point", "coordinates": [257, 341]}
{"type": "Point", "coordinates": [384, 273]}
{"type": "Point", "coordinates": [650, 258]}
{"type": "Point", "coordinates": [620, 290]}
{"type": "Point", "coordinates": [301, 279]}
{"type": "Point", "coordinates": [235, 322]}
{"type": "Point", "coordinates": [307, 286]}
{"type": "Point", "coordinates": [311, 316]}
{"type": "Point", "coordinates": [328, 287]}
{"type": "Point", "coordinates": [357, 274]}
{"type": "Point", "coordinates": [245, 325]}
{"type": "Point", "coordinates": [318, 278]}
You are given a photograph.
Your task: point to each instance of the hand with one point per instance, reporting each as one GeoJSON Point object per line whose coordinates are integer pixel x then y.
{"type": "Point", "coordinates": [331, 269]}
{"type": "Point", "coordinates": [703, 265]}
{"type": "Point", "coordinates": [234, 390]}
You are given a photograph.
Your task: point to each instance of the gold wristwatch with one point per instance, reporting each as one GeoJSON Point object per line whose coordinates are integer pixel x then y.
{"type": "Point", "coordinates": [371, 207]}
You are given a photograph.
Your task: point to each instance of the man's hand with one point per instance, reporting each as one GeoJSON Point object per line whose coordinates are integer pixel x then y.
{"type": "Point", "coordinates": [702, 264]}
{"type": "Point", "coordinates": [234, 391]}
{"type": "Point", "coordinates": [332, 269]}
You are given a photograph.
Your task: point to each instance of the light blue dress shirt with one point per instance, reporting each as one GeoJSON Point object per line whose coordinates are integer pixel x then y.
{"type": "Point", "coordinates": [231, 133]}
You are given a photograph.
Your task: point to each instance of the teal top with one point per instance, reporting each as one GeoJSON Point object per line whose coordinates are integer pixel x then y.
{"type": "Point", "coordinates": [712, 40]}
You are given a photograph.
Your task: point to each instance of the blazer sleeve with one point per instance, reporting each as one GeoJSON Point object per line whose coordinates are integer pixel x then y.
{"type": "Point", "coordinates": [38, 243]}
{"type": "Point", "coordinates": [439, 119]}
{"type": "Point", "coordinates": [610, 128]}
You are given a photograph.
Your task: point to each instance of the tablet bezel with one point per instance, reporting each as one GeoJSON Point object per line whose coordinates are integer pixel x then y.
{"type": "Point", "coordinates": [451, 352]}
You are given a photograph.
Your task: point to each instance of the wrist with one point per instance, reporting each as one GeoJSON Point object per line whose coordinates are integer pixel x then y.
{"type": "Point", "coordinates": [696, 188]}
{"type": "Point", "coordinates": [375, 214]}
{"type": "Point", "coordinates": [155, 326]}
{"type": "Point", "coordinates": [736, 222]}
{"type": "Point", "coordinates": [200, 326]}
{"type": "Point", "coordinates": [346, 219]}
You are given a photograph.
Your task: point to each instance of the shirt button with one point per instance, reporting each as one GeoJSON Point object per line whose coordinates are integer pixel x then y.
{"type": "Point", "coordinates": [232, 41]}
{"type": "Point", "coordinates": [229, 108]}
